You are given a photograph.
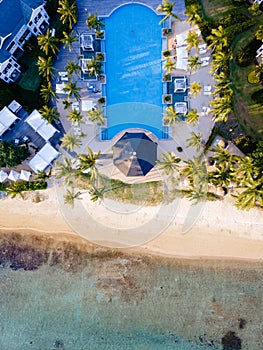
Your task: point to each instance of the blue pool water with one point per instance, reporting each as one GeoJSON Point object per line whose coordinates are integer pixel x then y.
{"type": "Point", "coordinates": [133, 70]}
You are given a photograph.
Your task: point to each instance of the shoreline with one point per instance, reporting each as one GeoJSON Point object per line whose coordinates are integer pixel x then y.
{"type": "Point", "coordinates": [207, 240]}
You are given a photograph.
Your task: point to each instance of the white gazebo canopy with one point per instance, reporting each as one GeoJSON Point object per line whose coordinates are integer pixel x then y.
{"type": "Point", "coordinates": [25, 175]}
{"type": "Point", "coordinates": [43, 158]}
{"type": "Point", "coordinates": [3, 176]}
{"type": "Point", "coordinates": [40, 125]}
{"type": "Point", "coordinates": [7, 118]}
{"type": "Point", "coordinates": [13, 175]}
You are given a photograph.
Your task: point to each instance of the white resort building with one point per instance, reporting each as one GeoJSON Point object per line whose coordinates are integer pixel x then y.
{"type": "Point", "coordinates": [20, 19]}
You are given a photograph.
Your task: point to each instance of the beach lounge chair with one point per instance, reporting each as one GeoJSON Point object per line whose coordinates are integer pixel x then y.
{"type": "Point", "coordinates": [207, 90]}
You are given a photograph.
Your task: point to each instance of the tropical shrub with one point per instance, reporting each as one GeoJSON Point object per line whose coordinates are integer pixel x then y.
{"type": "Point", "coordinates": [246, 55]}
{"type": "Point", "coordinates": [257, 97]}
{"type": "Point", "coordinates": [244, 58]}
{"type": "Point", "coordinates": [100, 56]}
{"type": "Point", "coordinates": [11, 155]}
{"type": "Point", "coordinates": [252, 78]}
{"type": "Point", "coordinates": [101, 100]}
{"type": "Point", "coordinates": [232, 19]}
{"type": "Point", "coordinates": [166, 53]}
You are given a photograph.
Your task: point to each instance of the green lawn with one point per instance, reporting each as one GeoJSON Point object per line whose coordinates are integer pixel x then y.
{"type": "Point", "coordinates": [30, 79]}
{"type": "Point", "coordinates": [249, 114]}
{"type": "Point", "coordinates": [214, 9]}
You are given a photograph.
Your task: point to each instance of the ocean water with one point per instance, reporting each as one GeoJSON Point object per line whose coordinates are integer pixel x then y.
{"type": "Point", "coordinates": [75, 300]}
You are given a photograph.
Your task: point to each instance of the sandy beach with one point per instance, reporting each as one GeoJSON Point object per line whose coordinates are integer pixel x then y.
{"type": "Point", "coordinates": [221, 230]}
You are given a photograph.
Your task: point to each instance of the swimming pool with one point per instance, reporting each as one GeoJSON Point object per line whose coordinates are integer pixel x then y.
{"type": "Point", "coordinates": [133, 70]}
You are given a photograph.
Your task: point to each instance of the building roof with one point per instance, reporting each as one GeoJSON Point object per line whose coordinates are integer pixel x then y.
{"type": "Point", "coordinates": [135, 154]}
{"type": "Point", "coordinates": [40, 125]}
{"type": "Point", "coordinates": [7, 118]}
{"type": "Point", "coordinates": [43, 158]}
{"type": "Point", "coordinates": [14, 14]}
{"type": "Point", "coordinates": [4, 55]}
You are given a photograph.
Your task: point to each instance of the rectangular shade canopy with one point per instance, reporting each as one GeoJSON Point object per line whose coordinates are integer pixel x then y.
{"type": "Point", "coordinates": [7, 118]}
{"type": "Point", "coordinates": [181, 58]}
{"type": "Point", "coordinates": [43, 158]}
{"type": "Point", "coordinates": [40, 125]}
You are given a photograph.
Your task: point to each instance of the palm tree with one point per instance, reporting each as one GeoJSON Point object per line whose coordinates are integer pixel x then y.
{"type": "Point", "coordinates": [96, 193]}
{"type": "Point", "coordinates": [219, 90]}
{"type": "Point", "coordinates": [68, 40]}
{"type": "Point", "coordinates": [72, 68]}
{"type": "Point", "coordinates": [192, 40]}
{"type": "Point", "coordinates": [251, 195]}
{"type": "Point", "coordinates": [218, 38]}
{"type": "Point", "coordinates": [195, 88]}
{"type": "Point", "coordinates": [47, 42]}
{"type": "Point", "coordinates": [66, 104]}
{"type": "Point", "coordinates": [70, 196]}
{"type": "Point", "coordinates": [245, 168]}
{"type": "Point", "coordinates": [47, 92]}
{"type": "Point", "coordinates": [45, 67]}
{"type": "Point", "coordinates": [221, 177]}
{"type": "Point", "coordinates": [192, 13]}
{"type": "Point", "coordinates": [195, 140]}
{"type": "Point", "coordinates": [94, 67]}
{"type": "Point", "coordinates": [169, 163]}
{"type": "Point", "coordinates": [50, 114]}
{"type": "Point", "coordinates": [223, 158]}
{"type": "Point", "coordinates": [65, 170]}
{"type": "Point", "coordinates": [199, 193]}
{"type": "Point", "coordinates": [259, 70]}
{"type": "Point", "coordinates": [16, 188]}
{"type": "Point", "coordinates": [72, 90]}
{"type": "Point", "coordinates": [171, 117]}
{"type": "Point", "coordinates": [193, 63]}
{"type": "Point", "coordinates": [195, 170]}
{"type": "Point", "coordinates": [88, 162]}
{"type": "Point", "coordinates": [75, 117]}
{"type": "Point", "coordinates": [96, 115]}
{"type": "Point", "coordinates": [254, 9]}
{"type": "Point", "coordinates": [169, 65]}
{"type": "Point", "coordinates": [221, 108]}
{"type": "Point", "coordinates": [223, 84]}
{"type": "Point", "coordinates": [68, 12]}
{"type": "Point", "coordinates": [70, 141]}
{"type": "Point", "coordinates": [192, 117]}
{"type": "Point", "coordinates": [167, 8]}
{"type": "Point", "coordinates": [259, 33]}
{"type": "Point", "coordinates": [93, 22]}
{"type": "Point", "coordinates": [220, 60]}
{"type": "Point", "coordinates": [43, 176]}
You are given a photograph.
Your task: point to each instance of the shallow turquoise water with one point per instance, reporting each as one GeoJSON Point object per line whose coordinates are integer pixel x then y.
{"type": "Point", "coordinates": [129, 303]}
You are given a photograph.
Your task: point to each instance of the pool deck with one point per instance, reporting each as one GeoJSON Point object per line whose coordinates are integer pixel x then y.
{"type": "Point", "coordinates": [182, 130]}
